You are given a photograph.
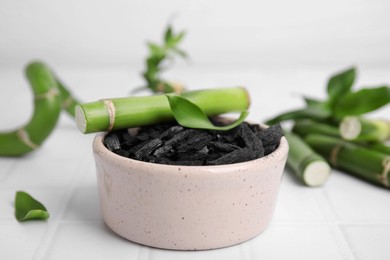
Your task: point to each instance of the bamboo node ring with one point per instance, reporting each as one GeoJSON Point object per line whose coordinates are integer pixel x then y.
{"type": "Point", "coordinates": [67, 102]}
{"type": "Point", "coordinates": [386, 169]}
{"type": "Point", "coordinates": [25, 139]}
{"type": "Point", "coordinates": [111, 113]}
{"type": "Point", "coordinates": [334, 154]}
{"type": "Point", "coordinates": [53, 92]}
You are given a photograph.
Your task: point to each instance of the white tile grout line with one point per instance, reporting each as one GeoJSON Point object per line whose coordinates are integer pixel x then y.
{"type": "Point", "coordinates": [333, 224]}
{"type": "Point", "coordinates": [52, 229]}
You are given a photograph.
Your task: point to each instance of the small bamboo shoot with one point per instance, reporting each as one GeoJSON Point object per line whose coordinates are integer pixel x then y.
{"type": "Point", "coordinates": [310, 167]}
{"type": "Point", "coordinates": [47, 108]}
{"type": "Point", "coordinates": [306, 127]}
{"type": "Point", "coordinates": [111, 114]}
{"type": "Point", "coordinates": [361, 129]}
{"type": "Point", "coordinates": [357, 160]}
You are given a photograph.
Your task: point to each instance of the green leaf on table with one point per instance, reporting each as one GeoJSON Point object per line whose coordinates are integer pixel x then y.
{"type": "Point", "coordinates": [340, 84]}
{"type": "Point", "coordinates": [28, 208]}
{"type": "Point", "coordinates": [363, 101]}
{"type": "Point", "coordinates": [190, 115]}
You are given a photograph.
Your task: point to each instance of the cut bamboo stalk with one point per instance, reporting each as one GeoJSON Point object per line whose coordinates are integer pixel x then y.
{"type": "Point", "coordinates": [47, 107]}
{"type": "Point", "coordinates": [309, 166]}
{"type": "Point", "coordinates": [117, 113]}
{"type": "Point", "coordinates": [360, 129]}
{"type": "Point", "coordinates": [380, 148]}
{"type": "Point", "coordinates": [357, 160]}
{"type": "Point", "coordinates": [306, 127]}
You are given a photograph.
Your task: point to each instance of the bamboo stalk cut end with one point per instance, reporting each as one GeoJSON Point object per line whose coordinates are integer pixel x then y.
{"type": "Point", "coordinates": [316, 173]}
{"type": "Point", "coordinates": [350, 128]}
{"type": "Point", "coordinates": [81, 120]}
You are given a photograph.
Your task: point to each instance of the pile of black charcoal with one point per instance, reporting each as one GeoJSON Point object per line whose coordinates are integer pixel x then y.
{"type": "Point", "coordinates": [170, 143]}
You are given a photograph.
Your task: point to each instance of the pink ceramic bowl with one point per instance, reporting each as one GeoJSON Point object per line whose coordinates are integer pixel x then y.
{"type": "Point", "coordinates": [187, 207]}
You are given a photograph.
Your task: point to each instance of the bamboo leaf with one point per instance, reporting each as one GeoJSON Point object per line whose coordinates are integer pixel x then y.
{"type": "Point", "coordinates": [306, 113]}
{"type": "Point", "coordinates": [181, 53]}
{"type": "Point", "coordinates": [28, 208]}
{"type": "Point", "coordinates": [340, 84]}
{"type": "Point", "coordinates": [363, 101]}
{"type": "Point", "coordinates": [311, 102]}
{"type": "Point", "coordinates": [158, 56]}
{"type": "Point", "coordinates": [155, 50]}
{"type": "Point", "coordinates": [190, 115]}
{"type": "Point", "coordinates": [168, 34]}
{"type": "Point", "coordinates": [176, 39]}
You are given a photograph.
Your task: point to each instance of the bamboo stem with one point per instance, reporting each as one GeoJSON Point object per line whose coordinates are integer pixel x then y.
{"type": "Point", "coordinates": [69, 103]}
{"type": "Point", "coordinates": [361, 129]}
{"type": "Point", "coordinates": [47, 107]}
{"type": "Point", "coordinates": [380, 148]}
{"type": "Point", "coordinates": [310, 167]}
{"type": "Point", "coordinates": [306, 127]}
{"type": "Point", "coordinates": [359, 161]}
{"type": "Point", "coordinates": [117, 113]}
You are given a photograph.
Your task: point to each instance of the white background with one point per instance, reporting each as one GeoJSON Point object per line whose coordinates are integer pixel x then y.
{"type": "Point", "coordinates": [278, 33]}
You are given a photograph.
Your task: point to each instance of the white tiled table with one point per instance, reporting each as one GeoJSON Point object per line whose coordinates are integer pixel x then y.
{"type": "Point", "coordinates": [345, 219]}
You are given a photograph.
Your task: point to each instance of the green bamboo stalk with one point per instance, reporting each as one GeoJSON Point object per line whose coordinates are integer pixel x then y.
{"type": "Point", "coordinates": [380, 147]}
{"type": "Point", "coordinates": [117, 113]}
{"type": "Point", "coordinates": [47, 107]}
{"type": "Point", "coordinates": [357, 160]}
{"type": "Point", "coordinates": [69, 102]}
{"type": "Point", "coordinates": [306, 127]}
{"type": "Point", "coordinates": [309, 166]}
{"type": "Point", "coordinates": [361, 129]}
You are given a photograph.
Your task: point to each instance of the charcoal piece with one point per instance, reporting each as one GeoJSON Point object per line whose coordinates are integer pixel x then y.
{"type": "Point", "coordinates": [147, 149]}
{"type": "Point", "coordinates": [111, 141]}
{"type": "Point", "coordinates": [136, 147]}
{"type": "Point", "coordinates": [239, 155]}
{"type": "Point", "coordinates": [223, 147]}
{"type": "Point", "coordinates": [270, 137]}
{"type": "Point", "coordinates": [195, 141]}
{"type": "Point", "coordinates": [164, 151]}
{"type": "Point", "coordinates": [269, 149]}
{"type": "Point", "coordinates": [251, 140]}
{"type": "Point", "coordinates": [230, 135]}
{"type": "Point", "coordinates": [170, 132]}
{"type": "Point", "coordinates": [169, 143]}
{"type": "Point", "coordinates": [150, 159]}
{"type": "Point", "coordinates": [187, 163]}
{"type": "Point", "coordinates": [153, 133]}
{"type": "Point", "coordinates": [193, 154]}
{"type": "Point", "coordinates": [163, 160]}
{"type": "Point", "coordinates": [180, 137]}
{"type": "Point", "coordinates": [214, 155]}
{"type": "Point", "coordinates": [143, 136]}
{"type": "Point", "coordinates": [128, 139]}
{"type": "Point", "coordinates": [255, 128]}
{"type": "Point", "coordinates": [122, 152]}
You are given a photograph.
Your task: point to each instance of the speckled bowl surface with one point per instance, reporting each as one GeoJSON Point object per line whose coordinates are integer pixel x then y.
{"type": "Point", "coordinates": [187, 207]}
